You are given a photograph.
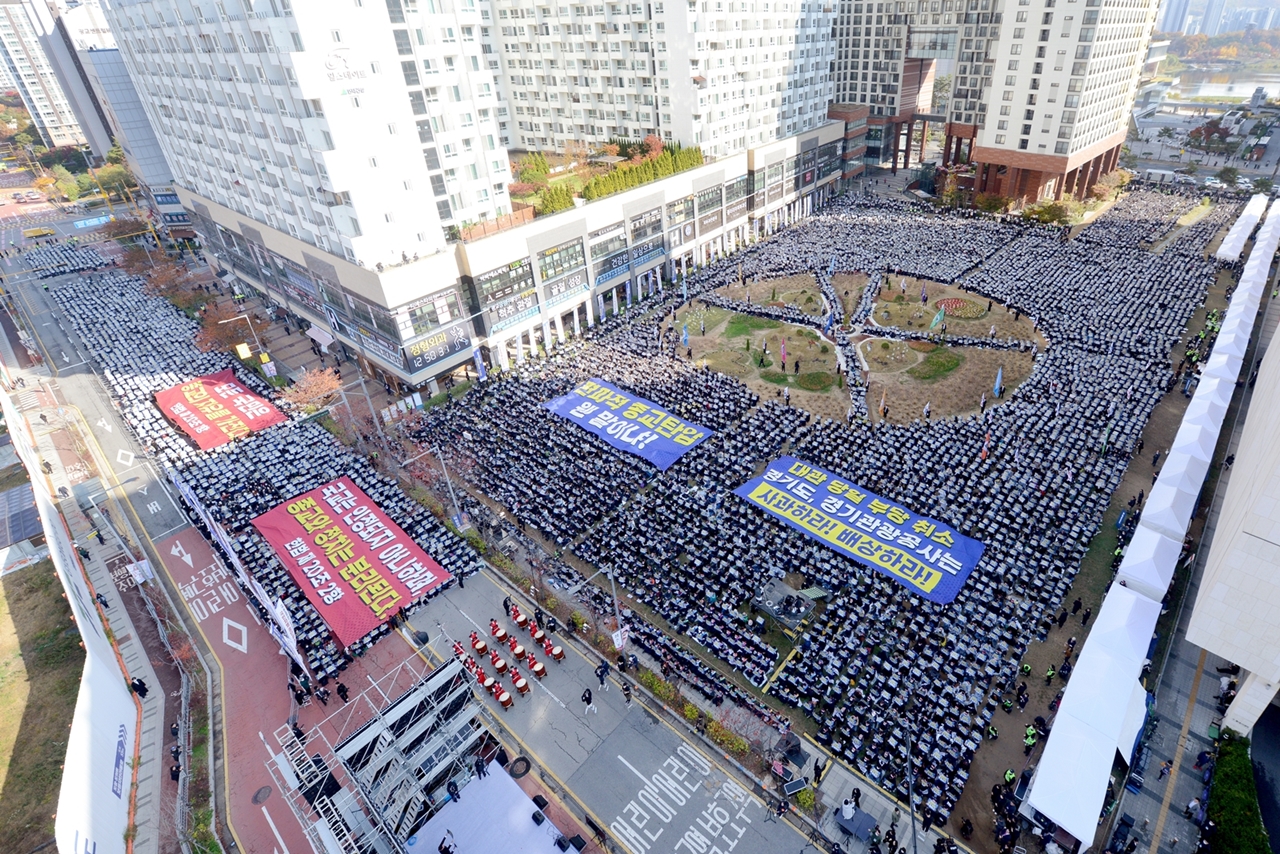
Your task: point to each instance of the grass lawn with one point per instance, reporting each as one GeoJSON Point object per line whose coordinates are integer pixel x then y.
{"type": "Point", "coordinates": [937, 364]}
{"type": "Point", "coordinates": [744, 324]}
{"type": "Point", "coordinates": [40, 665]}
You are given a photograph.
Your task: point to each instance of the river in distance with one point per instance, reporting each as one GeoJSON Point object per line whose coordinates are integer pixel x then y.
{"type": "Point", "coordinates": [1227, 83]}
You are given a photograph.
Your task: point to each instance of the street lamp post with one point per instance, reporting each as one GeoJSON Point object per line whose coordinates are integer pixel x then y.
{"type": "Point", "coordinates": [613, 588]}
{"type": "Point", "coordinates": [452, 497]}
{"type": "Point", "coordinates": [245, 318]}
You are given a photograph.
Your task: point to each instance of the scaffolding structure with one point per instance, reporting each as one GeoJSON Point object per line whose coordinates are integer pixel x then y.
{"type": "Point", "coordinates": [375, 770]}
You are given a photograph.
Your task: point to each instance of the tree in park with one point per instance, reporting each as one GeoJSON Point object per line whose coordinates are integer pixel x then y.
{"type": "Point", "coordinates": [313, 389]}
{"type": "Point", "coordinates": [115, 178]}
{"type": "Point", "coordinates": [1228, 175]}
{"type": "Point", "coordinates": [214, 335]}
{"type": "Point", "coordinates": [1263, 185]}
{"type": "Point", "coordinates": [116, 154]}
{"type": "Point", "coordinates": [652, 146]}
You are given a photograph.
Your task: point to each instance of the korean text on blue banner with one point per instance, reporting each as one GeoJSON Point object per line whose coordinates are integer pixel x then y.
{"type": "Point", "coordinates": [922, 555]}
{"type": "Point", "coordinates": [629, 423]}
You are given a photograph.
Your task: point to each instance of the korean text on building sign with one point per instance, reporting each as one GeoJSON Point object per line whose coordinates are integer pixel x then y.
{"type": "Point", "coordinates": [923, 555]}
{"type": "Point", "coordinates": [217, 408]}
{"type": "Point", "coordinates": [629, 423]}
{"type": "Point", "coordinates": [355, 565]}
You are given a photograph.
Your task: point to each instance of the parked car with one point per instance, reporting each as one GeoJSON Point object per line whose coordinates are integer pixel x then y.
{"type": "Point", "coordinates": [1213, 182]}
{"type": "Point", "coordinates": [1183, 179]}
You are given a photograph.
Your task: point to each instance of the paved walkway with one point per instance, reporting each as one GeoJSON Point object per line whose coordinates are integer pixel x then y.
{"type": "Point", "coordinates": [1190, 679]}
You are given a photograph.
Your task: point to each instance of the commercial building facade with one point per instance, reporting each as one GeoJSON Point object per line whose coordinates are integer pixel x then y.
{"type": "Point", "coordinates": [499, 297]}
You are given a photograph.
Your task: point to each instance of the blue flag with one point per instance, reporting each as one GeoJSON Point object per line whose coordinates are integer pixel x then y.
{"type": "Point", "coordinates": [684, 339]}
{"type": "Point", "coordinates": [999, 381]}
{"type": "Point", "coordinates": [480, 368]}
{"type": "Point", "coordinates": [684, 289]}
{"type": "Point", "coordinates": [831, 317]}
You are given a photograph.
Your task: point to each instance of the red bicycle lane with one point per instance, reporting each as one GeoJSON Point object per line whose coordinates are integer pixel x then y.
{"type": "Point", "coordinates": [255, 697]}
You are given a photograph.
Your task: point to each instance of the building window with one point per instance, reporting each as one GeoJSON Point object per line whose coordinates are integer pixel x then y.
{"type": "Point", "coordinates": [1022, 144]}
{"type": "Point", "coordinates": [1060, 148]}
{"type": "Point", "coordinates": [403, 45]}
{"type": "Point", "coordinates": [410, 69]}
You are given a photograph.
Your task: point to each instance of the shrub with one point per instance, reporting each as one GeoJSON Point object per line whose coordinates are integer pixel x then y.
{"type": "Point", "coordinates": [727, 739]}
{"type": "Point", "coordinates": [1233, 802]}
{"type": "Point", "coordinates": [659, 687]}
{"type": "Point", "coordinates": [692, 713]}
{"type": "Point", "coordinates": [577, 621]}
{"type": "Point", "coordinates": [805, 800]}
{"type": "Point", "coordinates": [775, 377]}
{"type": "Point", "coordinates": [555, 199]}
{"type": "Point", "coordinates": [669, 162]}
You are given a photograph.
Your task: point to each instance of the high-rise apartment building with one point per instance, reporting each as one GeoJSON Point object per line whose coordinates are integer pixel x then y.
{"type": "Point", "coordinates": [364, 130]}
{"type": "Point", "coordinates": [68, 28]}
{"type": "Point", "coordinates": [1211, 24]}
{"type": "Point", "coordinates": [34, 76]}
{"type": "Point", "coordinates": [721, 74]}
{"type": "Point", "coordinates": [1175, 16]}
{"type": "Point", "coordinates": [1055, 112]}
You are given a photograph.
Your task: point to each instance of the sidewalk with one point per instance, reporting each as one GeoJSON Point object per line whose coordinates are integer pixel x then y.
{"type": "Point", "coordinates": [155, 832]}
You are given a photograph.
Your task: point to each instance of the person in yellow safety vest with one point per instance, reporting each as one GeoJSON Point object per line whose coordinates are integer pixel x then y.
{"type": "Point", "coordinates": [1009, 777]}
{"type": "Point", "coordinates": [1049, 674]}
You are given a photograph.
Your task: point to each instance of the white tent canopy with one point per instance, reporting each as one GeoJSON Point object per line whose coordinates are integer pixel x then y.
{"type": "Point", "coordinates": [1195, 440]}
{"type": "Point", "coordinates": [1124, 625]}
{"type": "Point", "coordinates": [1071, 779]}
{"type": "Point", "coordinates": [1148, 564]}
{"type": "Point", "coordinates": [1185, 472]}
{"type": "Point", "coordinates": [1233, 244]}
{"type": "Point", "coordinates": [1169, 510]}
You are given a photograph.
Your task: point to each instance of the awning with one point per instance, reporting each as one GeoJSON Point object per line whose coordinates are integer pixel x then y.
{"type": "Point", "coordinates": [182, 234]}
{"type": "Point", "coordinates": [320, 335]}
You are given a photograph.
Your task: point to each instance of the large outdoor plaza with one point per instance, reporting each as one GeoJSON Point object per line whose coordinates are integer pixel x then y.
{"type": "Point", "coordinates": [912, 418]}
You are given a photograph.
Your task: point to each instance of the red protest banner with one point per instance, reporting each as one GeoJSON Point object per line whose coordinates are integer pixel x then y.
{"type": "Point", "coordinates": [356, 566]}
{"type": "Point", "coordinates": [215, 409]}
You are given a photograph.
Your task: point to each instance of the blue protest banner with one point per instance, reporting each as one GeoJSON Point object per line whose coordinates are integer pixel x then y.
{"type": "Point", "coordinates": [921, 554]}
{"type": "Point", "coordinates": [629, 423]}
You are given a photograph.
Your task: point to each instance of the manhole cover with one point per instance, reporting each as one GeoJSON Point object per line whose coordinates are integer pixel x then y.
{"type": "Point", "coordinates": [262, 794]}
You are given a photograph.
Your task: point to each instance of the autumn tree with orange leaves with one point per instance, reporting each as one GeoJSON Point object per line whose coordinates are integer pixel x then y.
{"type": "Point", "coordinates": [215, 335]}
{"type": "Point", "coordinates": [313, 389]}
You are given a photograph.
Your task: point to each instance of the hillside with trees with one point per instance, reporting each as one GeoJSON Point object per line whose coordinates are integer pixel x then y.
{"type": "Point", "coordinates": [1259, 48]}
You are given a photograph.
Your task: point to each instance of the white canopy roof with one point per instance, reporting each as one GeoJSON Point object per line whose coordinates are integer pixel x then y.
{"type": "Point", "coordinates": [1124, 625]}
{"type": "Point", "coordinates": [1071, 780]}
{"type": "Point", "coordinates": [1196, 440]}
{"type": "Point", "coordinates": [1169, 510]}
{"type": "Point", "coordinates": [320, 335]}
{"type": "Point", "coordinates": [1185, 472]}
{"type": "Point", "coordinates": [1233, 244]}
{"type": "Point", "coordinates": [1148, 564]}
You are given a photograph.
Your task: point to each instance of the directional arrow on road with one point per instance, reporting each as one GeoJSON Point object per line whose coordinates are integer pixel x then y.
{"type": "Point", "coordinates": [102, 422]}
{"type": "Point", "coordinates": [65, 357]}
{"type": "Point", "coordinates": [179, 551]}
